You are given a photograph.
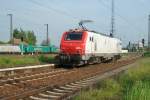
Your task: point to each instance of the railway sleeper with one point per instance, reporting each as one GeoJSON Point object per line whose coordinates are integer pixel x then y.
{"type": "Point", "coordinates": [55, 93]}
{"type": "Point", "coordinates": [37, 98]}
{"type": "Point", "coordinates": [62, 90]}
{"type": "Point", "coordinates": [67, 88]}
{"type": "Point", "coordinates": [48, 96]}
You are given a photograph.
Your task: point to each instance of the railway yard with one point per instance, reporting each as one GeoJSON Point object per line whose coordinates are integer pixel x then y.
{"type": "Point", "coordinates": [50, 82]}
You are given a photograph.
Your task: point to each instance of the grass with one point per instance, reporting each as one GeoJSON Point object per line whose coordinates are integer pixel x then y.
{"type": "Point", "coordinates": [18, 60]}
{"type": "Point", "coordinates": [134, 84]}
{"type": "Point", "coordinates": [139, 91]}
{"type": "Point", "coordinates": [108, 89]}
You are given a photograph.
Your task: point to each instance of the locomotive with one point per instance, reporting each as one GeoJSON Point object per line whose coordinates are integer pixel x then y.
{"type": "Point", "coordinates": [81, 46]}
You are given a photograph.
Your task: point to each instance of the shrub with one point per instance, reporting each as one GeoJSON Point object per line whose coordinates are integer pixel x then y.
{"type": "Point", "coordinates": [147, 54]}
{"type": "Point", "coordinates": [45, 59]}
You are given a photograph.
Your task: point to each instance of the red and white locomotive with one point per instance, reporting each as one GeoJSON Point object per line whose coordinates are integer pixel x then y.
{"type": "Point", "coordinates": [80, 46]}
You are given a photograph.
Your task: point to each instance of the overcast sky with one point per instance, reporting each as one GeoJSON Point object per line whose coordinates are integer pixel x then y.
{"type": "Point", "coordinates": [131, 17]}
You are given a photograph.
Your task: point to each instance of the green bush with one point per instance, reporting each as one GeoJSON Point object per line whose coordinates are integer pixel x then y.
{"type": "Point", "coordinates": [147, 54]}
{"type": "Point", "coordinates": [46, 59]}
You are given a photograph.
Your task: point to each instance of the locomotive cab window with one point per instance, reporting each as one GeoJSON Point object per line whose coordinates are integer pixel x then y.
{"type": "Point", "coordinates": [91, 39]}
{"type": "Point", "coordinates": [74, 36]}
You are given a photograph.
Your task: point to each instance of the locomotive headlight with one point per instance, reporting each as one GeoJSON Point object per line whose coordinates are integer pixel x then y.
{"type": "Point", "coordinates": [78, 48]}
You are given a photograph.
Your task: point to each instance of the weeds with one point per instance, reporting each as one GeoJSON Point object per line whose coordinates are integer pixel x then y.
{"type": "Point", "coordinates": [134, 84]}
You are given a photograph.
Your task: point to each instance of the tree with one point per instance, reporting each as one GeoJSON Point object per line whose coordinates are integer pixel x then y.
{"type": "Point", "coordinates": [31, 38]}
{"type": "Point", "coordinates": [19, 33]}
{"type": "Point", "coordinates": [26, 36]}
{"type": "Point", "coordinates": [16, 33]}
{"type": "Point", "coordinates": [1, 42]}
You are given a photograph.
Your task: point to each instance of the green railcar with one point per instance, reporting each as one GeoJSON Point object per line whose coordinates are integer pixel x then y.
{"type": "Point", "coordinates": [54, 49]}
{"type": "Point", "coordinates": [39, 49]}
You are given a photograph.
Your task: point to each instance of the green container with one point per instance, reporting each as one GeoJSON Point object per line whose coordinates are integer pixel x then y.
{"type": "Point", "coordinates": [42, 49]}
{"type": "Point", "coordinates": [30, 49]}
{"type": "Point", "coordinates": [53, 49]}
{"type": "Point", "coordinates": [23, 48]}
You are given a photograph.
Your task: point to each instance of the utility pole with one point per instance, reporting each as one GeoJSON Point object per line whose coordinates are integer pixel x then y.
{"type": "Point", "coordinates": [112, 19]}
{"type": "Point", "coordinates": [47, 34]}
{"type": "Point", "coordinates": [149, 32]}
{"type": "Point", "coordinates": [11, 28]}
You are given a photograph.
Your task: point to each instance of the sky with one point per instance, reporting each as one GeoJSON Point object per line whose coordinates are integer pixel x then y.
{"type": "Point", "coordinates": [131, 17]}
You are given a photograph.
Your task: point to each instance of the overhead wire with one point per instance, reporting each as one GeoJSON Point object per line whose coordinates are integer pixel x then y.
{"type": "Point", "coordinates": [61, 12]}
{"type": "Point", "coordinates": [50, 8]}
{"type": "Point", "coordinates": [121, 17]}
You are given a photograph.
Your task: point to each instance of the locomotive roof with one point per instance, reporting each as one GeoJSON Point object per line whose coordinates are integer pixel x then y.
{"type": "Point", "coordinates": [83, 30]}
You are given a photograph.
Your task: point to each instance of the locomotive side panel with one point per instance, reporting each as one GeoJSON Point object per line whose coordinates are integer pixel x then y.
{"type": "Point", "coordinates": [98, 45]}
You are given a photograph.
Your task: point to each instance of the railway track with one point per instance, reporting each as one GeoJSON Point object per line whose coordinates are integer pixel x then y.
{"type": "Point", "coordinates": [56, 84]}
{"type": "Point", "coordinates": [67, 91]}
{"type": "Point", "coordinates": [18, 79]}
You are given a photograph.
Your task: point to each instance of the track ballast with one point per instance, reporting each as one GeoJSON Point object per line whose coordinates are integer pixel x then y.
{"type": "Point", "coordinates": [58, 84]}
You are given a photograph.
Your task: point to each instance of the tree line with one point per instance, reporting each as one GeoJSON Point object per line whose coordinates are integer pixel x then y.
{"type": "Point", "coordinates": [26, 36]}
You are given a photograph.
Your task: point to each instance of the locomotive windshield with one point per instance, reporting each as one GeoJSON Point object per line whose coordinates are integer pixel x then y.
{"type": "Point", "coordinates": [74, 36]}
